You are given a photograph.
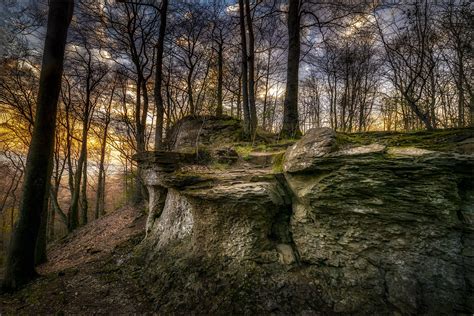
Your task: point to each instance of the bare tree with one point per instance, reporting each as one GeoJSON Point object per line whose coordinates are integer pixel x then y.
{"type": "Point", "coordinates": [105, 121]}
{"type": "Point", "coordinates": [159, 75]}
{"type": "Point", "coordinates": [408, 56]}
{"type": "Point", "coordinates": [290, 126]}
{"type": "Point", "coordinates": [245, 90]}
{"type": "Point", "coordinates": [456, 22]}
{"type": "Point", "coordinates": [131, 28]}
{"type": "Point", "coordinates": [21, 255]}
{"type": "Point", "coordinates": [89, 72]}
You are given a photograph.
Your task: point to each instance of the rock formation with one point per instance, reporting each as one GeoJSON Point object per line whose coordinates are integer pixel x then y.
{"type": "Point", "coordinates": [349, 226]}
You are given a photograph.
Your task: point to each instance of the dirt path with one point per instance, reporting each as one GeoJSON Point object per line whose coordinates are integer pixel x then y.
{"type": "Point", "coordinates": [82, 275]}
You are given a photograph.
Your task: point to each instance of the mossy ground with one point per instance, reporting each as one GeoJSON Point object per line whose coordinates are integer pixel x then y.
{"type": "Point", "coordinates": [439, 140]}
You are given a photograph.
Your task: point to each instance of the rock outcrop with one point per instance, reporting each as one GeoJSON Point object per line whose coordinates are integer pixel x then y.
{"type": "Point", "coordinates": [387, 228]}
{"type": "Point", "coordinates": [203, 130]}
{"type": "Point", "coordinates": [348, 227]}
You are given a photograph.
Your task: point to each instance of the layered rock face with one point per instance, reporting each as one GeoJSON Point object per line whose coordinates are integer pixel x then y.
{"type": "Point", "coordinates": [346, 228]}
{"type": "Point", "coordinates": [387, 227]}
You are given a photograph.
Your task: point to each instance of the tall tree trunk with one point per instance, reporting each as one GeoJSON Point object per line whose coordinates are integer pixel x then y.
{"type": "Point", "coordinates": [220, 75]}
{"type": "Point", "coordinates": [460, 86]}
{"type": "Point", "coordinates": [21, 255]}
{"type": "Point", "coordinates": [189, 83]}
{"type": "Point", "coordinates": [239, 99]}
{"type": "Point", "coordinates": [265, 99]}
{"type": "Point", "coordinates": [100, 196]}
{"type": "Point", "coordinates": [53, 198]}
{"type": "Point", "coordinates": [290, 110]}
{"type": "Point", "coordinates": [251, 70]}
{"type": "Point", "coordinates": [245, 91]}
{"type": "Point", "coordinates": [143, 190]}
{"type": "Point", "coordinates": [70, 170]}
{"type": "Point", "coordinates": [80, 191]}
{"type": "Point", "coordinates": [140, 118]}
{"type": "Point", "coordinates": [160, 109]}
{"type": "Point", "coordinates": [52, 220]}
{"type": "Point", "coordinates": [84, 203]}
{"type": "Point", "coordinates": [41, 242]}
{"type": "Point", "coordinates": [73, 220]}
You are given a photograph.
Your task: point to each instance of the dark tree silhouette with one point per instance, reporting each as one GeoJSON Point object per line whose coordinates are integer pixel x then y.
{"type": "Point", "coordinates": [160, 109]}
{"type": "Point", "coordinates": [290, 111]}
{"type": "Point", "coordinates": [20, 267]}
{"type": "Point", "coordinates": [245, 91]}
{"type": "Point", "coordinates": [251, 69]}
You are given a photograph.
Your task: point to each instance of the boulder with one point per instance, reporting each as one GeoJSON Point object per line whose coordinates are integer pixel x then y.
{"type": "Point", "coordinates": [317, 142]}
{"type": "Point", "coordinates": [193, 131]}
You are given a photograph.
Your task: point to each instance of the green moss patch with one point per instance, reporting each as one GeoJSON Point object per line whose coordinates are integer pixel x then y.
{"type": "Point", "coordinates": [277, 163]}
{"type": "Point", "coordinates": [440, 140]}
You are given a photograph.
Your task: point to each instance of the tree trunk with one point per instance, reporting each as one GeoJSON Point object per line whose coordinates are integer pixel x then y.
{"type": "Point", "coordinates": [52, 220]}
{"type": "Point", "coordinates": [100, 197]}
{"type": "Point", "coordinates": [84, 203]}
{"type": "Point", "coordinates": [220, 75]}
{"type": "Point", "coordinates": [53, 198]}
{"type": "Point", "coordinates": [239, 99]}
{"type": "Point", "coordinates": [160, 109]}
{"type": "Point", "coordinates": [290, 110]}
{"type": "Point", "coordinates": [471, 112]}
{"type": "Point", "coordinates": [245, 92]}
{"type": "Point", "coordinates": [189, 82]}
{"type": "Point", "coordinates": [41, 242]}
{"type": "Point", "coordinates": [69, 159]}
{"type": "Point", "coordinates": [265, 99]}
{"type": "Point", "coordinates": [73, 220]}
{"type": "Point", "coordinates": [460, 87]}
{"type": "Point", "coordinates": [251, 70]}
{"type": "Point", "coordinates": [140, 118]}
{"type": "Point", "coordinates": [20, 263]}
{"type": "Point", "coordinates": [99, 202]}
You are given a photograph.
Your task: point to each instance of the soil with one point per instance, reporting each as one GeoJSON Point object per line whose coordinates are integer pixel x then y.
{"type": "Point", "coordinates": [83, 274]}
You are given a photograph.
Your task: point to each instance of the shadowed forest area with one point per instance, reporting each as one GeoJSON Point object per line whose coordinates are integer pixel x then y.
{"type": "Point", "coordinates": [114, 113]}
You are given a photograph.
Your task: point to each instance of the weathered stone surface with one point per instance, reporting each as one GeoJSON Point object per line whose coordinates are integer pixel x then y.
{"type": "Point", "coordinates": [360, 150]}
{"type": "Point", "coordinates": [263, 159]}
{"type": "Point", "coordinates": [408, 151]}
{"type": "Point", "coordinates": [203, 130]}
{"type": "Point", "coordinates": [165, 161]}
{"type": "Point", "coordinates": [466, 146]}
{"type": "Point", "coordinates": [317, 142]}
{"type": "Point", "coordinates": [156, 201]}
{"type": "Point", "coordinates": [349, 228]}
{"type": "Point", "coordinates": [390, 224]}
{"type": "Point", "coordinates": [175, 221]}
{"type": "Point", "coordinates": [231, 218]}
{"type": "Point", "coordinates": [224, 155]}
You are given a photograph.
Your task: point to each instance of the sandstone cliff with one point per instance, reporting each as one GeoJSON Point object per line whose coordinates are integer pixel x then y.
{"type": "Point", "coordinates": [340, 224]}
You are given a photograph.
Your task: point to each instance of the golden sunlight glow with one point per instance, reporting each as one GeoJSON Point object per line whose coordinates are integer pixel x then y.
{"type": "Point", "coordinates": [273, 92]}
{"type": "Point", "coordinates": [359, 23]}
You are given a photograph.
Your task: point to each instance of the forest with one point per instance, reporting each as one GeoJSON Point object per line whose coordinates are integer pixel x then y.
{"type": "Point", "coordinates": [90, 90]}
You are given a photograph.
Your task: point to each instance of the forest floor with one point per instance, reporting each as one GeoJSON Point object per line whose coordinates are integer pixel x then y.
{"type": "Point", "coordinates": [81, 275]}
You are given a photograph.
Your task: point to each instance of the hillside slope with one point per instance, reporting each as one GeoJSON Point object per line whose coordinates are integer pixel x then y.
{"type": "Point", "coordinates": [82, 274]}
